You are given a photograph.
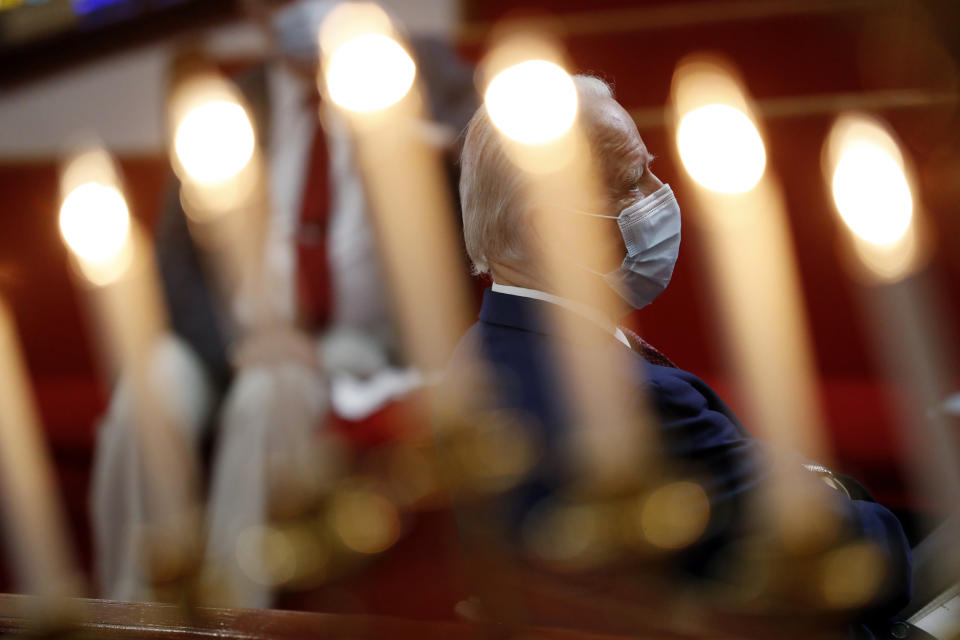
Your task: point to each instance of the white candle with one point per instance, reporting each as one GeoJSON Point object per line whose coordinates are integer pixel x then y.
{"type": "Point", "coordinates": [369, 75]}
{"type": "Point", "coordinates": [534, 104]}
{"type": "Point", "coordinates": [737, 204]}
{"type": "Point", "coordinates": [114, 266]}
{"type": "Point", "coordinates": [875, 198]}
{"type": "Point", "coordinates": [214, 152]}
{"type": "Point", "coordinates": [39, 551]}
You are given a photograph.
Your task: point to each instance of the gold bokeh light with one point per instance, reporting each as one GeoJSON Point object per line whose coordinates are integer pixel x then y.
{"type": "Point", "coordinates": [675, 515]}
{"type": "Point", "coordinates": [365, 520]}
{"type": "Point", "coordinates": [851, 575]}
{"type": "Point", "coordinates": [265, 555]}
{"type": "Point", "coordinates": [533, 102]}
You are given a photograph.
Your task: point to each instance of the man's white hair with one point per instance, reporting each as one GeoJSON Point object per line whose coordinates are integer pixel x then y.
{"type": "Point", "coordinates": [492, 195]}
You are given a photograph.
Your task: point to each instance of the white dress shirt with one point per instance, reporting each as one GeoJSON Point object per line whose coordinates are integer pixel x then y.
{"type": "Point", "coordinates": [590, 314]}
{"type": "Point", "coordinates": [358, 287]}
{"type": "Point", "coordinates": [292, 125]}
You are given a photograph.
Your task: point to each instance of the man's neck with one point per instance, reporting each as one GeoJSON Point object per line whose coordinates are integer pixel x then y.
{"type": "Point", "coordinates": [510, 277]}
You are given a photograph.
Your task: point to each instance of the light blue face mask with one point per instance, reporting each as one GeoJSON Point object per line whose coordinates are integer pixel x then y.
{"type": "Point", "coordinates": [651, 234]}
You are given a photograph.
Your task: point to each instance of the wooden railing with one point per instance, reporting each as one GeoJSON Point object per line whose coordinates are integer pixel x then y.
{"type": "Point", "coordinates": [25, 616]}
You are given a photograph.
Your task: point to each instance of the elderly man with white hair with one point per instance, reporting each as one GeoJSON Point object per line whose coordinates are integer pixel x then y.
{"type": "Point", "coordinates": [696, 431]}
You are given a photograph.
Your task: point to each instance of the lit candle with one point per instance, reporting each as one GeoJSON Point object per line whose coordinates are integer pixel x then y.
{"type": "Point", "coordinates": [751, 263]}
{"type": "Point", "coordinates": [39, 551]}
{"type": "Point", "coordinates": [270, 453]}
{"type": "Point", "coordinates": [873, 193]}
{"type": "Point", "coordinates": [111, 258]}
{"type": "Point", "coordinates": [106, 252]}
{"type": "Point", "coordinates": [533, 102]}
{"type": "Point", "coordinates": [214, 152]}
{"type": "Point", "coordinates": [370, 77]}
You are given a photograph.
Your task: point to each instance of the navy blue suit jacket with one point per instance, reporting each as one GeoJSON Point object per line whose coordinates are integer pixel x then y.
{"type": "Point", "coordinates": [696, 429]}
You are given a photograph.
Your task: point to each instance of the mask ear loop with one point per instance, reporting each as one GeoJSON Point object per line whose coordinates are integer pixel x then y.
{"type": "Point", "coordinates": [592, 215]}
{"type": "Point", "coordinates": [589, 270]}
{"type": "Point", "coordinates": [587, 213]}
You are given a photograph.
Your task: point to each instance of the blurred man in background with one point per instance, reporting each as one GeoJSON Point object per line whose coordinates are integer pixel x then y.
{"type": "Point", "coordinates": [333, 347]}
{"type": "Point", "coordinates": [320, 247]}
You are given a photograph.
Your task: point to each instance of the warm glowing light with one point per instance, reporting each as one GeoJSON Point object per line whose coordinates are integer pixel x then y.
{"type": "Point", "coordinates": [675, 515]}
{"type": "Point", "coordinates": [265, 555]}
{"type": "Point", "coordinates": [369, 72]}
{"type": "Point", "coordinates": [871, 192]}
{"type": "Point", "coordinates": [365, 521]}
{"type": "Point", "coordinates": [873, 195]}
{"type": "Point", "coordinates": [214, 141]}
{"type": "Point", "coordinates": [95, 224]}
{"type": "Point", "coordinates": [851, 575]}
{"type": "Point", "coordinates": [571, 535]}
{"type": "Point", "coordinates": [495, 457]}
{"type": "Point", "coordinates": [721, 148]}
{"type": "Point", "coordinates": [533, 102]}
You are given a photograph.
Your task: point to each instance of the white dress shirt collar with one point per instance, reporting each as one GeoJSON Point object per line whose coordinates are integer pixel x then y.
{"type": "Point", "coordinates": [579, 308]}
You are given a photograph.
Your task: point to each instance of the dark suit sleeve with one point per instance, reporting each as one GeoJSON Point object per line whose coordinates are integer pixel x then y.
{"type": "Point", "coordinates": [187, 291]}
{"type": "Point", "coordinates": [699, 431]}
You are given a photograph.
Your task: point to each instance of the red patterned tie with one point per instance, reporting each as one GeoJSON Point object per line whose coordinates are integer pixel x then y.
{"type": "Point", "coordinates": [650, 353]}
{"type": "Point", "coordinates": [313, 270]}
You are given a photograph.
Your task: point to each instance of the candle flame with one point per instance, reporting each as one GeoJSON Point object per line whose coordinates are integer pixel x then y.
{"type": "Point", "coordinates": [721, 148]}
{"type": "Point", "coordinates": [94, 218]}
{"type": "Point", "coordinates": [872, 194]}
{"type": "Point", "coordinates": [870, 187]}
{"type": "Point", "coordinates": [94, 221]}
{"type": "Point", "coordinates": [366, 69]}
{"type": "Point", "coordinates": [717, 138]}
{"type": "Point", "coordinates": [369, 73]}
{"type": "Point", "coordinates": [214, 141]}
{"type": "Point", "coordinates": [533, 102]}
